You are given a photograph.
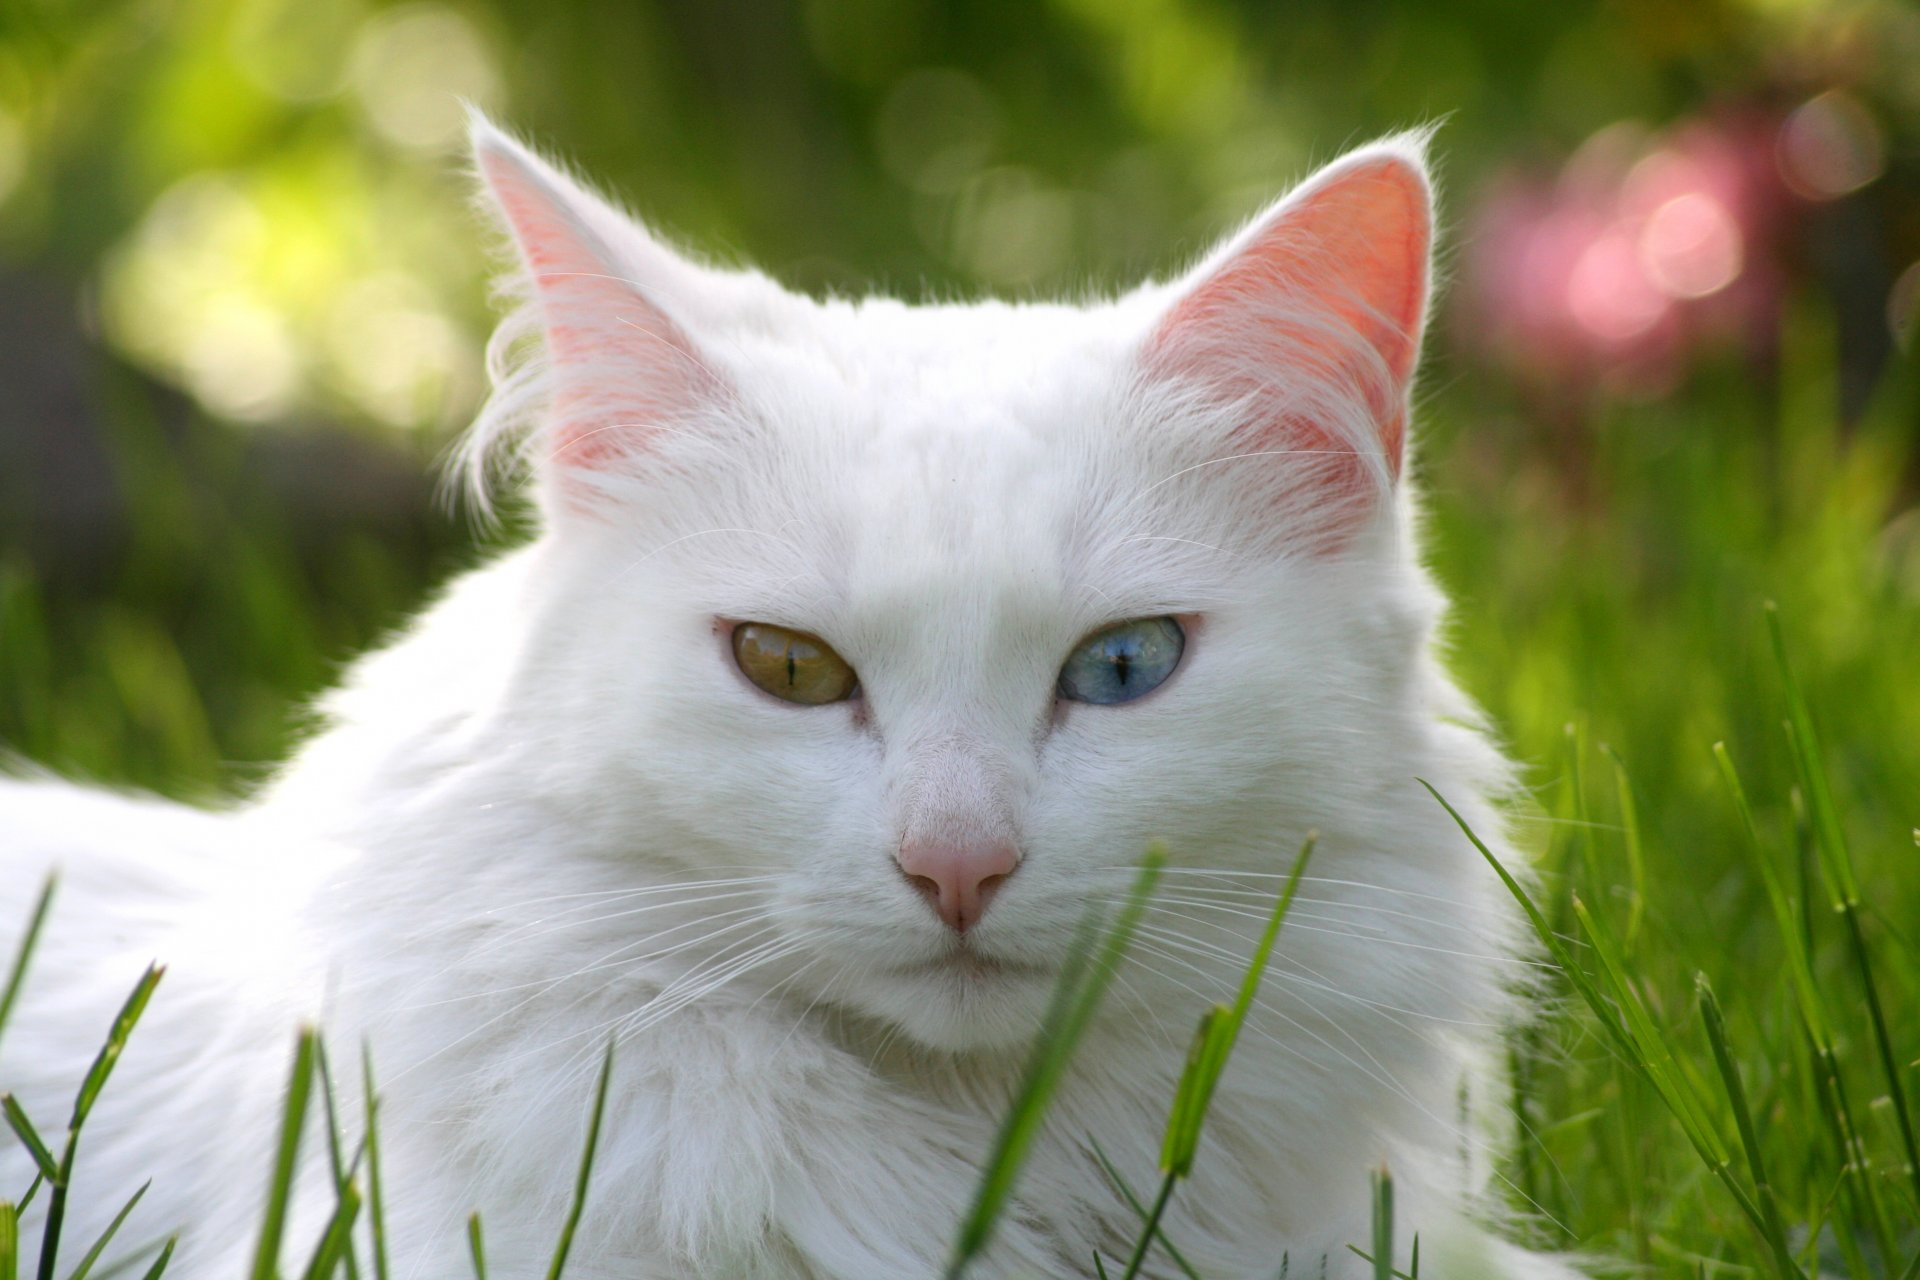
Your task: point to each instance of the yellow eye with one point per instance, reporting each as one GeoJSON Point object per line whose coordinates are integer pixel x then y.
{"type": "Point", "coordinates": [792, 665]}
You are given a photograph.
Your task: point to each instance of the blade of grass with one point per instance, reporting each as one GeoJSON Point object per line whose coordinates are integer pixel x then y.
{"type": "Point", "coordinates": [1549, 937]}
{"type": "Point", "coordinates": [1576, 734]}
{"type": "Point", "coordinates": [23, 954]}
{"type": "Point", "coordinates": [9, 1241]}
{"type": "Point", "coordinates": [335, 1246]}
{"type": "Point", "coordinates": [1366, 1257]}
{"type": "Point", "coordinates": [579, 1205]}
{"type": "Point", "coordinates": [1636, 850]}
{"type": "Point", "coordinates": [1151, 1228]}
{"type": "Point", "coordinates": [266, 1255]}
{"type": "Point", "coordinates": [106, 1237]}
{"type": "Point", "coordinates": [1806, 991]}
{"type": "Point", "coordinates": [90, 1088]}
{"type": "Point", "coordinates": [1089, 966]}
{"type": "Point", "coordinates": [1140, 1210]}
{"type": "Point", "coordinates": [1213, 1042]}
{"type": "Point", "coordinates": [1382, 1224]}
{"type": "Point", "coordinates": [29, 1136]}
{"type": "Point", "coordinates": [159, 1267]}
{"type": "Point", "coordinates": [342, 1170]}
{"type": "Point", "coordinates": [1774, 1233]}
{"type": "Point", "coordinates": [1830, 839]}
{"type": "Point", "coordinates": [1220, 1031]}
{"type": "Point", "coordinates": [376, 1203]}
{"type": "Point", "coordinates": [123, 1024]}
{"type": "Point", "coordinates": [477, 1246]}
{"type": "Point", "coordinates": [1681, 1091]}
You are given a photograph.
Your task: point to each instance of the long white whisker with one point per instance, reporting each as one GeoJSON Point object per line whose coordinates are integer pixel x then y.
{"type": "Point", "coordinates": [1308, 978]}
{"type": "Point", "coordinates": [1267, 896]}
{"type": "Point", "coordinates": [698, 982]}
{"type": "Point", "coordinates": [1296, 922]}
{"type": "Point", "coordinates": [1230, 875]}
{"type": "Point", "coordinates": [542, 989]}
{"type": "Point", "coordinates": [618, 958]}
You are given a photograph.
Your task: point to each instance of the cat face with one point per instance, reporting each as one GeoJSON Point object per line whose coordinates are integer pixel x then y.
{"type": "Point", "coordinates": [937, 616]}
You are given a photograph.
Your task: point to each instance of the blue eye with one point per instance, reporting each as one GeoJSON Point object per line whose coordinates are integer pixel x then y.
{"type": "Point", "coordinates": [1123, 662]}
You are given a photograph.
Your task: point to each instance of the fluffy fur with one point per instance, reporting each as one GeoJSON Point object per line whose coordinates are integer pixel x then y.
{"type": "Point", "coordinates": [553, 813]}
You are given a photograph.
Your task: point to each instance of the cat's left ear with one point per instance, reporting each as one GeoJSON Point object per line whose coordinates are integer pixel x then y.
{"type": "Point", "coordinates": [1308, 322]}
{"type": "Point", "coordinates": [620, 364]}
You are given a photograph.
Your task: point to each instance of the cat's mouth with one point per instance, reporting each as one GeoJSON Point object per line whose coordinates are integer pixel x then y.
{"type": "Point", "coordinates": [964, 961]}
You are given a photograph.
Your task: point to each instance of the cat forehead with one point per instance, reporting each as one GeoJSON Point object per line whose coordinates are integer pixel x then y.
{"type": "Point", "coordinates": [881, 345]}
{"type": "Point", "coordinates": [964, 423]}
{"type": "Point", "coordinates": [960, 457]}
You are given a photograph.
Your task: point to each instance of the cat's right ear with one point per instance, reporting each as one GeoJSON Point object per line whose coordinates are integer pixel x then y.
{"type": "Point", "coordinates": [620, 367]}
{"type": "Point", "coordinates": [1307, 324]}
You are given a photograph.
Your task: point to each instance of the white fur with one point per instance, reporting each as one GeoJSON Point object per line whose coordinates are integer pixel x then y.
{"type": "Point", "coordinates": [472, 867]}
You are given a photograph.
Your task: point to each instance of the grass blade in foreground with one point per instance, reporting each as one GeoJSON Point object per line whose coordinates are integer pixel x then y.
{"type": "Point", "coordinates": [1140, 1211]}
{"type": "Point", "coordinates": [96, 1080]}
{"type": "Point", "coordinates": [1716, 1028]}
{"type": "Point", "coordinates": [1213, 1043]}
{"type": "Point", "coordinates": [29, 1136]}
{"type": "Point", "coordinates": [586, 1170]}
{"type": "Point", "coordinates": [1381, 1258]}
{"type": "Point", "coordinates": [336, 1243]}
{"type": "Point", "coordinates": [106, 1237]}
{"type": "Point", "coordinates": [376, 1205]}
{"type": "Point", "coordinates": [1089, 967]}
{"type": "Point", "coordinates": [159, 1267]}
{"type": "Point", "coordinates": [266, 1256]}
{"type": "Point", "coordinates": [346, 1194]}
{"type": "Point", "coordinates": [1382, 1225]}
{"type": "Point", "coordinates": [17, 972]}
{"type": "Point", "coordinates": [477, 1245]}
{"type": "Point", "coordinates": [123, 1024]}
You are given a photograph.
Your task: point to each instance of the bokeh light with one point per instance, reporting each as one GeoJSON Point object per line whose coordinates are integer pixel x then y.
{"type": "Point", "coordinates": [413, 67]}
{"type": "Point", "coordinates": [1830, 146]}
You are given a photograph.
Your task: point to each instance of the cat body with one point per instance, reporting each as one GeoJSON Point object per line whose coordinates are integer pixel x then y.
{"type": "Point", "coordinates": [558, 814]}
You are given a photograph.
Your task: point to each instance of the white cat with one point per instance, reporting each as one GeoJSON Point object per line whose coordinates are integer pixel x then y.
{"type": "Point", "coordinates": [862, 647]}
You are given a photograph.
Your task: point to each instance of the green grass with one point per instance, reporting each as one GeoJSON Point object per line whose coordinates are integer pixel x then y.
{"type": "Point", "coordinates": [1722, 797]}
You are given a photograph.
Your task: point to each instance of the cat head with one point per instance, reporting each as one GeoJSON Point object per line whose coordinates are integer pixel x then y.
{"type": "Point", "coordinates": [935, 616]}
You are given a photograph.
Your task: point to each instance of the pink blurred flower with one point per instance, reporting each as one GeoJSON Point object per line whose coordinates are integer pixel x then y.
{"type": "Point", "coordinates": [1642, 248]}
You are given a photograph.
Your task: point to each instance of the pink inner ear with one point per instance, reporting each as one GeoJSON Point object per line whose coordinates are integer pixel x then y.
{"type": "Point", "coordinates": [1332, 286]}
{"type": "Point", "coordinates": [620, 366]}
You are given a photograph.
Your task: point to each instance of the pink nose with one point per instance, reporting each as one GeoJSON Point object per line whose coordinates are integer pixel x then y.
{"type": "Point", "coordinates": [958, 878]}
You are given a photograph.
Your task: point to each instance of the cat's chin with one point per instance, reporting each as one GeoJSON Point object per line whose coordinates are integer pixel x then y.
{"type": "Point", "coordinates": [963, 1000]}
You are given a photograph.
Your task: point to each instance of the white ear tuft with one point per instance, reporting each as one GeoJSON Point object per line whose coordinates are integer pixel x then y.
{"type": "Point", "coordinates": [619, 364]}
{"type": "Point", "coordinates": [1310, 318]}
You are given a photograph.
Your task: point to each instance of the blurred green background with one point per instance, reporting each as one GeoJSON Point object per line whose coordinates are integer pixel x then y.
{"type": "Point", "coordinates": [243, 296]}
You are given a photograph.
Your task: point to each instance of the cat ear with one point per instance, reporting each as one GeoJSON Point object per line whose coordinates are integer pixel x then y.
{"type": "Point", "coordinates": [1308, 322]}
{"type": "Point", "coordinates": [620, 367]}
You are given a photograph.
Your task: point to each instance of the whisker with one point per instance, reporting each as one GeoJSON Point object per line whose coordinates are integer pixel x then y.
{"type": "Point", "coordinates": [1266, 896]}
{"type": "Point", "coordinates": [1223, 874]}
{"type": "Point", "coordinates": [1316, 981]}
{"type": "Point", "coordinates": [1293, 921]}
{"type": "Point", "coordinates": [638, 911]}
{"type": "Point", "coordinates": [696, 983]}
{"type": "Point", "coordinates": [544, 987]}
